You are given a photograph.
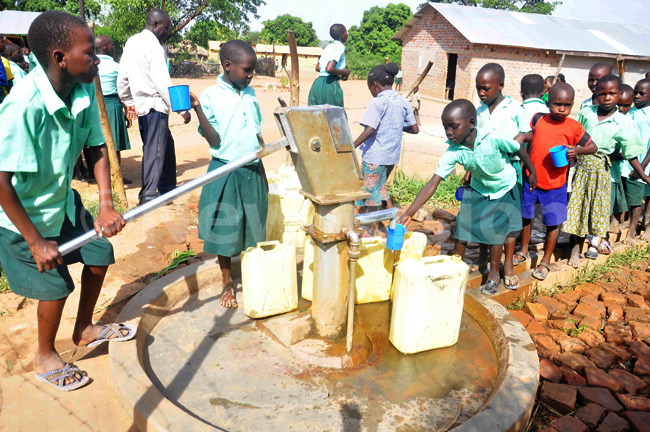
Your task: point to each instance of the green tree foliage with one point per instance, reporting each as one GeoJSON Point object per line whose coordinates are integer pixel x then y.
{"type": "Point", "coordinates": [544, 7]}
{"type": "Point", "coordinates": [378, 26]}
{"type": "Point", "coordinates": [93, 8]}
{"type": "Point", "coordinates": [203, 31]}
{"type": "Point", "coordinates": [275, 31]}
{"type": "Point", "coordinates": [127, 17]}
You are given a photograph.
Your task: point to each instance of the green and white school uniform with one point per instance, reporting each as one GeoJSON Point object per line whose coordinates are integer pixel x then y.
{"type": "Point", "coordinates": [527, 110]}
{"type": "Point", "coordinates": [233, 208]}
{"type": "Point", "coordinates": [326, 88]}
{"type": "Point", "coordinates": [108, 70]}
{"type": "Point", "coordinates": [591, 200]}
{"type": "Point", "coordinates": [635, 188]}
{"type": "Point", "coordinates": [504, 120]}
{"type": "Point", "coordinates": [491, 206]}
{"type": "Point", "coordinates": [40, 141]}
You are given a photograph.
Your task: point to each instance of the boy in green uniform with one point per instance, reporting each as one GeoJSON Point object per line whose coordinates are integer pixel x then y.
{"type": "Point", "coordinates": [490, 212]}
{"type": "Point", "coordinates": [596, 72]}
{"type": "Point", "coordinates": [46, 122]}
{"type": "Point", "coordinates": [635, 189]}
{"type": "Point", "coordinates": [532, 87]}
{"type": "Point", "coordinates": [331, 68]}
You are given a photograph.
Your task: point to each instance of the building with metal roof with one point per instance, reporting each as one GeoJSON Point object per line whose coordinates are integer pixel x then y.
{"type": "Point", "coordinates": [461, 39]}
{"type": "Point", "coordinates": [16, 22]}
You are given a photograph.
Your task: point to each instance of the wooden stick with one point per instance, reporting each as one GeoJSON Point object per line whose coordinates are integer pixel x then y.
{"type": "Point", "coordinates": [295, 69]}
{"type": "Point", "coordinates": [116, 173]}
{"type": "Point", "coordinates": [419, 80]}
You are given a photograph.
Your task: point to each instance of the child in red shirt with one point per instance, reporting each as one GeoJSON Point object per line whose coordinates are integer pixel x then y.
{"type": "Point", "coordinates": [548, 131]}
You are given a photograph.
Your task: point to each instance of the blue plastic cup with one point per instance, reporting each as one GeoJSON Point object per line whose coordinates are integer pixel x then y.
{"type": "Point", "coordinates": [558, 154]}
{"type": "Point", "coordinates": [180, 97]}
{"type": "Point", "coordinates": [395, 238]}
{"type": "Point", "coordinates": [459, 193]}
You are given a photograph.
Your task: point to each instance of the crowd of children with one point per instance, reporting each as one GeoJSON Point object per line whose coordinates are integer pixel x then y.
{"type": "Point", "coordinates": [504, 146]}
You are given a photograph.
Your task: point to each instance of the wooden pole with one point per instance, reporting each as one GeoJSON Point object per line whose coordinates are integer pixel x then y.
{"type": "Point", "coordinates": [116, 173]}
{"type": "Point", "coordinates": [418, 81]}
{"type": "Point", "coordinates": [295, 69]}
{"type": "Point", "coordinates": [559, 67]}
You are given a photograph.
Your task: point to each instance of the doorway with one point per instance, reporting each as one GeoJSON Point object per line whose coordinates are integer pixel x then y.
{"type": "Point", "coordinates": [450, 84]}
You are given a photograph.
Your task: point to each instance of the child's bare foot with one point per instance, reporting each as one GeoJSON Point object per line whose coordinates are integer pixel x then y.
{"type": "Point", "coordinates": [614, 226]}
{"type": "Point", "coordinates": [228, 296]}
{"type": "Point", "coordinates": [574, 260]}
{"type": "Point", "coordinates": [630, 241]}
{"type": "Point", "coordinates": [646, 235]}
{"type": "Point", "coordinates": [51, 362]}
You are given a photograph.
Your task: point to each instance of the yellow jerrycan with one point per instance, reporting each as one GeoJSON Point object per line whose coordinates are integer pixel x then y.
{"type": "Point", "coordinates": [308, 270]}
{"type": "Point", "coordinates": [428, 303]}
{"type": "Point", "coordinates": [374, 272]}
{"type": "Point", "coordinates": [269, 279]}
{"type": "Point", "coordinates": [288, 211]}
{"type": "Point", "coordinates": [415, 244]}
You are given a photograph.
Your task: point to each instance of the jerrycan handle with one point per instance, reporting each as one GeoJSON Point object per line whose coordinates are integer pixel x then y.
{"type": "Point", "coordinates": [435, 260]}
{"type": "Point", "coordinates": [268, 245]}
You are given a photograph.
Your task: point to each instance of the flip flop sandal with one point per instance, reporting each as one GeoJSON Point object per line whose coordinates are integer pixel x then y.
{"type": "Point", "coordinates": [524, 257]}
{"type": "Point", "coordinates": [592, 252]}
{"type": "Point", "coordinates": [508, 282]}
{"type": "Point", "coordinates": [57, 378]}
{"type": "Point", "coordinates": [538, 274]}
{"type": "Point", "coordinates": [604, 248]}
{"type": "Point", "coordinates": [490, 288]}
{"type": "Point", "coordinates": [112, 332]}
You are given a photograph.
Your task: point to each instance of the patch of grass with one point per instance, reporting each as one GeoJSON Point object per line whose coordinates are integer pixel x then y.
{"type": "Point", "coordinates": [92, 205]}
{"type": "Point", "coordinates": [404, 188]}
{"type": "Point", "coordinates": [517, 304]}
{"type": "Point", "coordinates": [4, 284]}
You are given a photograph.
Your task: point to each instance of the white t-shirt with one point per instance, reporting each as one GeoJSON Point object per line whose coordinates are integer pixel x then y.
{"type": "Point", "coordinates": [332, 52]}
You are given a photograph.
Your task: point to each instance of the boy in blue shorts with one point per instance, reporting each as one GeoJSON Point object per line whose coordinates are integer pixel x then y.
{"type": "Point", "coordinates": [47, 120]}
{"type": "Point", "coordinates": [548, 131]}
{"type": "Point", "coordinates": [233, 208]}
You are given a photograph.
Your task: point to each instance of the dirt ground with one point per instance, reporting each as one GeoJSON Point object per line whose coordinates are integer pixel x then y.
{"type": "Point", "coordinates": [143, 248]}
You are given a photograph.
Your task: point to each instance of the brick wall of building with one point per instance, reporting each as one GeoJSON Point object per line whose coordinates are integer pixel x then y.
{"type": "Point", "coordinates": [433, 38]}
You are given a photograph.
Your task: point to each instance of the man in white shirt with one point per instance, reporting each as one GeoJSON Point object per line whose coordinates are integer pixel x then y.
{"type": "Point", "coordinates": [142, 85]}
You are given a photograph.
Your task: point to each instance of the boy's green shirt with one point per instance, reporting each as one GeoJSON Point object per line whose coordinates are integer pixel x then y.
{"type": "Point", "coordinates": [503, 119]}
{"type": "Point", "coordinates": [641, 119]}
{"type": "Point", "coordinates": [492, 173]}
{"type": "Point", "coordinates": [40, 141]}
{"type": "Point", "coordinates": [615, 133]}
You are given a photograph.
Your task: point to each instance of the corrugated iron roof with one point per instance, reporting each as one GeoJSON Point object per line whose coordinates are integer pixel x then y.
{"type": "Point", "coordinates": [16, 22]}
{"type": "Point", "coordinates": [526, 30]}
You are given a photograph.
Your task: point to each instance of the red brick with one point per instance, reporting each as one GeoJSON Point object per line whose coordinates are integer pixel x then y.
{"type": "Point", "coordinates": [591, 414]}
{"type": "Point", "coordinates": [617, 352]}
{"type": "Point", "coordinates": [569, 424]}
{"type": "Point", "coordinates": [637, 314]}
{"type": "Point", "coordinates": [591, 338]}
{"type": "Point", "coordinates": [549, 371]}
{"type": "Point", "coordinates": [599, 378]}
{"type": "Point", "coordinates": [546, 347]}
{"type": "Point", "coordinates": [589, 288]}
{"type": "Point", "coordinates": [551, 304]}
{"type": "Point", "coordinates": [640, 349]}
{"type": "Point", "coordinates": [613, 423]}
{"type": "Point", "coordinates": [614, 312]}
{"type": "Point", "coordinates": [640, 331]}
{"type": "Point", "coordinates": [573, 378]}
{"type": "Point", "coordinates": [632, 383]}
{"type": "Point", "coordinates": [560, 397]}
{"type": "Point", "coordinates": [573, 345]}
{"type": "Point", "coordinates": [600, 358]}
{"type": "Point", "coordinates": [587, 310]}
{"type": "Point", "coordinates": [613, 297]}
{"type": "Point", "coordinates": [591, 322]}
{"type": "Point", "coordinates": [637, 301]}
{"type": "Point", "coordinates": [535, 328]}
{"type": "Point", "coordinates": [600, 396]}
{"type": "Point", "coordinates": [634, 403]}
{"type": "Point", "coordinates": [576, 362]}
{"type": "Point", "coordinates": [639, 420]}
{"type": "Point", "coordinates": [612, 335]}
{"type": "Point", "coordinates": [642, 366]}
{"type": "Point", "coordinates": [537, 311]}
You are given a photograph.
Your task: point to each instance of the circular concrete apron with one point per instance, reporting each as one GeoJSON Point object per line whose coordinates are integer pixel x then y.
{"type": "Point", "coordinates": [196, 366]}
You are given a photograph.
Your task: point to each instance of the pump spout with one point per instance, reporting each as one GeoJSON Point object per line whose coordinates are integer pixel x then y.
{"type": "Point", "coordinates": [353, 256]}
{"type": "Point", "coordinates": [377, 216]}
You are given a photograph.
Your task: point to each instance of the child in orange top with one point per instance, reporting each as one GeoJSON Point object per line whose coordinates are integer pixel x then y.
{"type": "Point", "coordinates": [548, 131]}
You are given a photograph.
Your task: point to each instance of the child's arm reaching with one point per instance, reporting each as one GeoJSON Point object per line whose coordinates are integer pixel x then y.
{"type": "Point", "coordinates": [45, 252]}
{"type": "Point", "coordinates": [211, 135]}
{"type": "Point", "coordinates": [532, 174]}
{"type": "Point", "coordinates": [367, 133]}
{"type": "Point", "coordinates": [413, 129]}
{"type": "Point", "coordinates": [423, 196]}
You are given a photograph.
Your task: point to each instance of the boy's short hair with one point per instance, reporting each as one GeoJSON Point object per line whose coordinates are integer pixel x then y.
{"type": "Point", "coordinates": [559, 88]}
{"type": "Point", "coordinates": [493, 69]}
{"type": "Point", "coordinates": [384, 74]}
{"type": "Point", "coordinates": [235, 51]}
{"type": "Point", "coordinates": [607, 79]}
{"type": "Point", "coordinates": [602, 65]}
{"type": "Point", "coordinates": [550, 79]}
{"type": "Point", "coordinates": [52, 30]}
{"type": "Point", "coordinates": [561, 78]}
{"type": "Point", "coordinates": [464, 107]}
{"type": "Point", "coordinates": [336, 31]}
{"type": "Point", "coordinates": [626, 88]}
{"type": "Point", "coordinates": [532, 84]}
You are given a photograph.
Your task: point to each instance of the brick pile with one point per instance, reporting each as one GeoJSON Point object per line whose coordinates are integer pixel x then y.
{"type": "Point", "coordinates": [594, 349]}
